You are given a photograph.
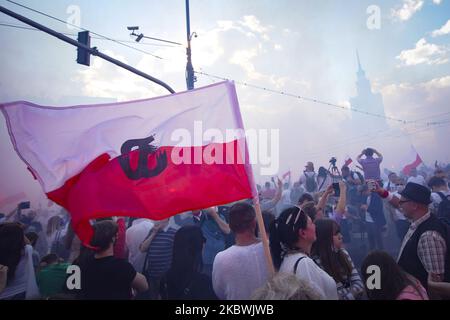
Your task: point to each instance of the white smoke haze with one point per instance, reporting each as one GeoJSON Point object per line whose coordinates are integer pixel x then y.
{"type": "Point", "coordinates": [302, 48]}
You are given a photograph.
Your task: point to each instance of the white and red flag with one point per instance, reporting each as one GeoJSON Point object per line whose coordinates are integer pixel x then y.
{"type": "Point", "coordinates": [411, 161]}
{"type": "Point", "coordinates": [348, 161]}
{"type": "Point", "coordinates": [149, 158]}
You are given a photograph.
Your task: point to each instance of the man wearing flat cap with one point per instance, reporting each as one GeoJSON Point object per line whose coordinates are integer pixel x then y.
{"type": "Point", "coordinates": [425, 247]}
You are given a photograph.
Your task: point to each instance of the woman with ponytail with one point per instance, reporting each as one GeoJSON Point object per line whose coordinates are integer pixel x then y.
{"type": "Point", "coordinates": [291, 237]}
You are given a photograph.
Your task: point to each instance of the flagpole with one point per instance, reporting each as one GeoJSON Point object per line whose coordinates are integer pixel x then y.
{"type": "Point", "coordinates": [263, 233]}
{"type": "Point", "coordinates": [251, 179]}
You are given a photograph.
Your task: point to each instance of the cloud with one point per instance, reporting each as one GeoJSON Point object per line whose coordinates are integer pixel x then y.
{"type": "Point", "coordinates": [409, 101]}
{"type": "Point", "coordinates": [438, 83]}
{"type": "Point", "coordinates": [426, 102]}
{"type": "Point", "coordinates": [243, 58]}
{"type": "Point", "coordinates": [407, 10]}
{"type": "Point", "coordinates": [208, 48]}
{"type": "Point", "coordinates": [106, 80]}
{"type": "Point", "coordinates": [445, 29]}
{"type": "Point", "coordinates": [423, 52]}
{"type": "Point", "coordinates": [253, 24]}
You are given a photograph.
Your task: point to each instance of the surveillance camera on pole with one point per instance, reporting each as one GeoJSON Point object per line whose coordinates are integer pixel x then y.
{"type": "Point", "coordinates": [133, 28]}
{"type": "Point", "coordinates": [139, 37]}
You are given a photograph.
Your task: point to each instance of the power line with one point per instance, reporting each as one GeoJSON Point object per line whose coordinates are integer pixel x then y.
{"type": "Point", "coordinates": [94, 37]}
{"type": "Point", "coordinates": [314, 100]}
{"type": "Point", "coordinates": [70, 24]}
{"type": "Point", "coordinates": [305, 98]}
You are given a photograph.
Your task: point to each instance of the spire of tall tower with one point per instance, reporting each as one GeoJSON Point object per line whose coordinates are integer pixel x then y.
{"type": "Point", "coordinates": [359, 63]}
{"type": "Point", "coordinates": [360, 69]}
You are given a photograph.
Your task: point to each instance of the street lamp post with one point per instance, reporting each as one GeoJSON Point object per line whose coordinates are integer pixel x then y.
{"type": "Point", "coordinates": [190, 78]}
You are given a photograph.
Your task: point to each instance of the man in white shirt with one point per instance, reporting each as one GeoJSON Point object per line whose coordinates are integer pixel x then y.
{"type": "Point", "coordinates": [414, 177]}
{"type": "Point", "coordinates": [391, 184]}
{"type": "Point", "coordinates": [242, 268]}
{"type": "Point", "coordinates": [135, 235]}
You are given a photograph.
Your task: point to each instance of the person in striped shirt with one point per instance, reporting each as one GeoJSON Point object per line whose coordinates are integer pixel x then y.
{"type": "Point", "coordinates": [329, 254]}
{"type": "Point", "coordinates": [158, 246]}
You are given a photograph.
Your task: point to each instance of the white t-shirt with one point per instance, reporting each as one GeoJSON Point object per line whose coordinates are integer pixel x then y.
{"type": "Point", "coordinates": [389, 186]}
{"type": "Point", "coordinates": [419, 180]}
{"type": "Point", "coordinates": [134, 237]}
{"type": "Point", "coordinates": [238, 271]}
{"type": "Point", "coordinates": [308, 270]}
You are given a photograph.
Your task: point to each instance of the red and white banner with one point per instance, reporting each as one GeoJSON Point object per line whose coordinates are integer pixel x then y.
{"type": "Point", "coordinates": [149, 158]}
{"type": "Point", "coordinates": [411, 161]}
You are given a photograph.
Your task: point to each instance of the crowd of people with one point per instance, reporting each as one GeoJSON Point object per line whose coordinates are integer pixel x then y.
{"type": "Point", "coordinates": [326, 231]}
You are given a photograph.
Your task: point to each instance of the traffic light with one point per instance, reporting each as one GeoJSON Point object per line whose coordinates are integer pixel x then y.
{"type": "Point", "coordinates": [83, 56]}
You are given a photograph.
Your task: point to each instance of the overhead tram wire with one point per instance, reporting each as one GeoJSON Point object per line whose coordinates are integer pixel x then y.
{"type": "Point", "coordinates": [320, 101]}
{"type": "Point", "coordinates": [73, 25]}
{"type": "Point", "coordinates": [314, 100]}
{"type": "Point", "coordinates": [94, 37]}
{"type": "Point", "coordinates": [356, 139]}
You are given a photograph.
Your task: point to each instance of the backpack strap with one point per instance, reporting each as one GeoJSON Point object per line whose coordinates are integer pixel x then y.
{"type": "Point", "coordinates": [323, 182]}
{"type": "Point", "coordinates": [443, 197]}
{"type": "Point", "coordinates": [296, 264]}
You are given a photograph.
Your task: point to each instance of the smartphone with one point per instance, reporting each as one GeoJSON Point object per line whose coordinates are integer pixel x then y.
{"type": "Point", "coordinates": [24, 205]}
{"type": "Point", "coordinates": [337, 190]}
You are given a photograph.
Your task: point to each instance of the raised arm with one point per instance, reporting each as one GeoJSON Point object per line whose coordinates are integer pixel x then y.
{"type": "Point", "coordinates": [342, 202]}
{"type": "Point", "coordinates": [11, 213]}
{"type": "Point", "coordinates": [380, 156]}
{"type": "Point", "coordinates": [389, 197]}
{"type": "Point", "coordinates": [212, 212]}
{"type": "Point", "coordinates": [324, 198]}
{"type": "Point", "coordinates": [358, 158]}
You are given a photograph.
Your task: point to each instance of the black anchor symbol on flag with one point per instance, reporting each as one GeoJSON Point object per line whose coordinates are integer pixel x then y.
{"type": "Point", "coordinates": [145, 149]}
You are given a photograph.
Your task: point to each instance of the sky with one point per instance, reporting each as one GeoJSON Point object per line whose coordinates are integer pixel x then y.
{"type": "Point", "coordinates": [304, 48]}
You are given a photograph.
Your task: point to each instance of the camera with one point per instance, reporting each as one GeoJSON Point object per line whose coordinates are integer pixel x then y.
{"type": "Point", "coordinates": [333, 161]}
{"type": "Point", "coordinates": [24, 205]}
{"type": "Point", "coordinates": [133, 28]}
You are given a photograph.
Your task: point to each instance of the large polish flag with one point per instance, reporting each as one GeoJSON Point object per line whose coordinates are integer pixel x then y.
{"type": "Point", "coordinates": [411, 161]}
{"type": "Point", "coordinates": [144, 158]}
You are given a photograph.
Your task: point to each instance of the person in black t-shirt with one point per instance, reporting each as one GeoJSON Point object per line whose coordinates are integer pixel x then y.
{"type": "Point", "coordinates": [104, 277]}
